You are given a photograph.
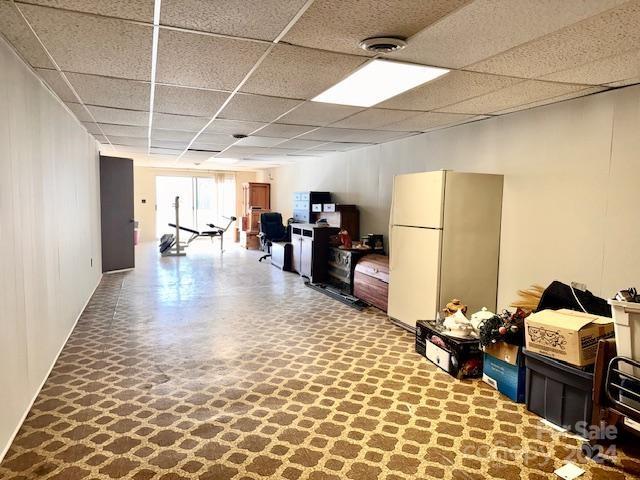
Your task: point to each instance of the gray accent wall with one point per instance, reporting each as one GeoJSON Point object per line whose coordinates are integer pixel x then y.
{"type": "Point", "coordinates": [49, 233]}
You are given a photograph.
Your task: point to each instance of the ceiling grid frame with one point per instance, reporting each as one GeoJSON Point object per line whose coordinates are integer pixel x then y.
{"type": "Point", "coordinates": [280, 39]}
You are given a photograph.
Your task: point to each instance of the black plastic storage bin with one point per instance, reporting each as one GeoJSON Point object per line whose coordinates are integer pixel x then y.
{"type": "Point", "coordinates": [559, 392]}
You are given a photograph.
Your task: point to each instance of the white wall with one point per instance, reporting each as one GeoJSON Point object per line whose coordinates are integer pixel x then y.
{"type": "Point", "coordinates": [49, 233]}
{"type": "Point", "coordinates": [572, 172]}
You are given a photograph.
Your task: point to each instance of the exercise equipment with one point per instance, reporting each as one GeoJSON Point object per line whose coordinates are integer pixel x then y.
{"type": "Point", "coordinates": [170, 244]}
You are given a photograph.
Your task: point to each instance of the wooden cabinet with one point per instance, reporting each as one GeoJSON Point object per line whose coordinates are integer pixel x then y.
{"type": "Point", "coordinates": [253, 220]}
{"type": "Point", "coordinates": [249, 240]}
{"type": "Point", "coordinates": [311, 250]}
{"type": "Point", "coordinates": [347, 217]}
{"type": "Point", "coordinates": [256, 196]}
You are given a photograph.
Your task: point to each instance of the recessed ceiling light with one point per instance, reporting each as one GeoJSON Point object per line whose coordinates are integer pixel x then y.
{"type": "Point", "coordinates": [377, 81]}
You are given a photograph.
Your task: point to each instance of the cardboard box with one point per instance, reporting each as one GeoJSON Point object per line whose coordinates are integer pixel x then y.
{"type": "Point", "coordinates": [504, 369]}
{"type": "Point", "coordinates": [459, 357]}
{"type": "Point", "coordinates": [567, 335]}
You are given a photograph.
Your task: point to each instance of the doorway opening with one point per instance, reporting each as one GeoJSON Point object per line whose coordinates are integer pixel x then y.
{"type": "Point", "coordinates": [203, 200]}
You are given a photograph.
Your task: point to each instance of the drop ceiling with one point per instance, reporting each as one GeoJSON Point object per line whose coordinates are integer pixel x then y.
{"type": "Point", "coordinates": [250, 67]}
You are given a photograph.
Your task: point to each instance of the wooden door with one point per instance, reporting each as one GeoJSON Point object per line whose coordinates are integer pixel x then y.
{"type": "Point", "coordinates": [116, 209]}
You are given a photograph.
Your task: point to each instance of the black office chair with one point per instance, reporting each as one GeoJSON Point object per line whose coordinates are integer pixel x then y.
{"type": "Point", "coordinates": [271, 230]}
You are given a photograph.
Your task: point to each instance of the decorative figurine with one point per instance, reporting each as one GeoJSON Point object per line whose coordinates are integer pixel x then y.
{"type": "Point", "coordinates": [345, 240]}
{"type": "Point", "coordinates": [458, 325]}
{"type": "Point", "coordinates": [454, 306]}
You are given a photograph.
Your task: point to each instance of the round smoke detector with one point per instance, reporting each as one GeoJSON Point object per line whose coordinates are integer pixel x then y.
{"type": "Point", "coordinates": [382, 44]}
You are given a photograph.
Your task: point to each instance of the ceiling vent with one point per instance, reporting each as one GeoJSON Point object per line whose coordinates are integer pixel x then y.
{"type": "Point", "coordinates": [382, 44]}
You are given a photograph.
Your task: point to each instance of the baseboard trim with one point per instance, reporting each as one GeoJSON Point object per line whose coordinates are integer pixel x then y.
{"type": "Point", "coordinates": [5, 449]}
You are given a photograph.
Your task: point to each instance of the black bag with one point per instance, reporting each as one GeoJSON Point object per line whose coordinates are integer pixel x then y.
{"type": "Point", "coordinates": [559, 295]}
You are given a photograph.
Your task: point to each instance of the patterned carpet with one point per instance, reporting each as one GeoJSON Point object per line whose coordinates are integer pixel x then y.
{"type": "Point", "coordinates": [223, 368]}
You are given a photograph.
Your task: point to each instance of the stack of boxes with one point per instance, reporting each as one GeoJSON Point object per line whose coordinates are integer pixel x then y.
{"type": "Point", "coordinates": [551, 375]}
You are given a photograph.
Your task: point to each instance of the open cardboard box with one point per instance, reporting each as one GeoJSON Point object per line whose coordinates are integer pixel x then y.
{"type": "Point", "coordinates": [567, 335]}
{"type": "Point", "coordinates": [503, 369]}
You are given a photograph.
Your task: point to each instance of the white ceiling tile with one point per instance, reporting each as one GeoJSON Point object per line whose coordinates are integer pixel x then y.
{"type": "Point", "coordinates": [261, 19]}
{"type": "Point", "coordinates": [110, 92]}
{"type": "Point", "coordinates": [423, 122]}
{"type": "Point", "coordinates": [296, 72]}
{"type": "Point", "coordinates": [17, 32]}
{"type": "Point", "coordinates": [124, 130]}
{"type": "Point", "coordinates": [230, 127]}
{"type": "Point", "coordinates": [119, 116]}
{"type": "Point", "coordinates": [605, 35]}
{"type": "Point", "coordinates": [454, 87]}
{"type": "Point", "coordinates": [171, 144]}
{"type": "Point", "coordinates": [318, 114]}
{"type": "Point", "coordinates": [601, 72]}
{"type": "Point", "coordinates": [520, 94]}
{"type": "Point", "coordinates": [54, 80]}
{"type": "Point", "coordinates": [484, 28]}
{"type": "Point", "coordinates": [352, 135]}
{"type": "Point", "coordinates": [188, 101]}
{"type": "Point", "coordinates": [179, 122]}
{"type": "Point", "coordinates": [560, 98]}
{"type": "Point", "coordinates": [79, 111]}
{"type": "Point", "coordinates": [234, 151]}
{"type": "Point", "coordinates": [141, 10]}
{"type": "Point", "coordinates": [258, 142]}
{"type": "Point", "coordinates": [340, 25]}
{"type": "Point", "coordinates": [101, 138]}
{"type": "Point", "coordinates": [165, 151]}
{"type": "Point", "coordinates": [374, 118]}
{"type": "Point", "coordinates": [256, 108]}
{"type": "Point", "coordinates": [92, 127]}
{"type": "Point", "coordinates": [88, 44]}
{"type": "Point", "coordinates": [284, 130]}
{"type": "Point", "coordinates": [208, 147]}
{"type": "Point", "coordinates": [339, 147]}
{"type": "Point", "coordinates": [297, 143]}
{"type": "Point", "coordinates": [215, 138]}
{"type": "Point", "coordinates": [128, 141]}
{"type": "Point", "coordinates": [204, 61]}
{"type": "Point", "coordinates": [173, 135]}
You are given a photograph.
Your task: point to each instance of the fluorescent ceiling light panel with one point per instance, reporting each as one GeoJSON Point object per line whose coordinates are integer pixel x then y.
{"type": "Point", "coordinates": [377, 81]}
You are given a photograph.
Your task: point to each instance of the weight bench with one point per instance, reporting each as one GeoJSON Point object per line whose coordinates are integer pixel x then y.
{"type": "Point", "coordinates": [214, 232]}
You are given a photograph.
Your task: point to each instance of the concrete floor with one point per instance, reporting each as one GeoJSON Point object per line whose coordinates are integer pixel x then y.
{"type": "Point", "coordinates": [218, 367]}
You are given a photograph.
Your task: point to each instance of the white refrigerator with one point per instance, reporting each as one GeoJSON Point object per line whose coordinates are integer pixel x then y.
{"type": "Point", "coordinates": [444, 238]}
